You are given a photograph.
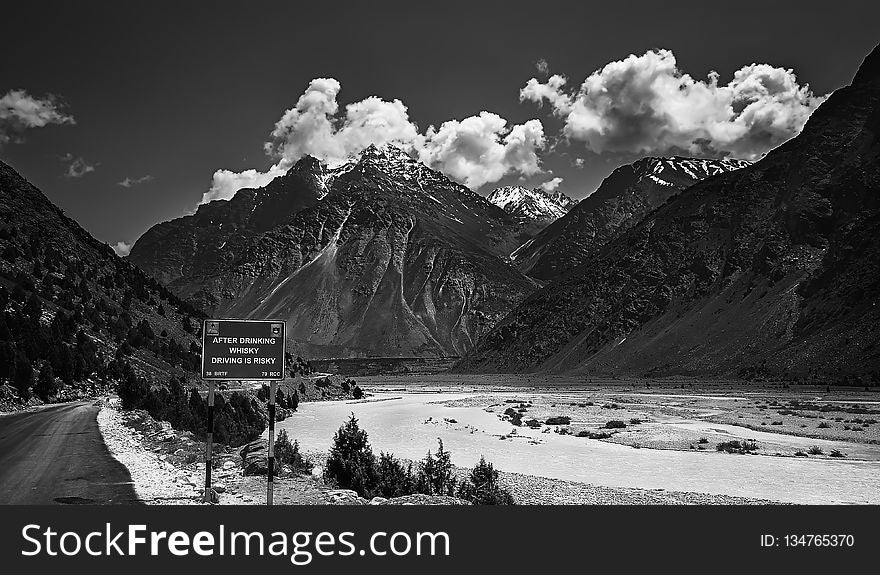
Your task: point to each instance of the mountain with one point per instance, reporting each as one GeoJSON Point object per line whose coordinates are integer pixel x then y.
{"type": "Point", "coordinates": [621, 201]}
{"type": "Point", "coordinates": [378, 256]}
{"type": "Point", "coordinates": [772, 270]}
{"type": "Point", "coordinates": [532, 205]}
{"type": "Point", "coordinates": [76, 313]}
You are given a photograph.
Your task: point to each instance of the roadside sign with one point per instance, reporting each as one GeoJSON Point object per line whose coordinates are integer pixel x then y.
{"type": "Point", "coordinates": [239, 349]}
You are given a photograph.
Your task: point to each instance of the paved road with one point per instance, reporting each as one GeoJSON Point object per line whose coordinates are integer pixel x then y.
{"type": "Point", "coordinates": [57, 455]}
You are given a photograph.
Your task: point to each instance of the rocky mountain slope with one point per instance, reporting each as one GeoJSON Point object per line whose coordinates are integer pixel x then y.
{"type": "Point", "coordinates": [622, 200]}
{"type": "Point", "coordinates": [72, 313]}
{"type": "Point", "coordinates": [379, 256]}
{"type": "Point", "coordinates": [772, 270]}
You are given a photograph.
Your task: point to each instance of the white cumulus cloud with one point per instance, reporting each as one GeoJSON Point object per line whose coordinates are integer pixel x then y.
{"type": "Point", "coordinates": [482, 149]}
{"type": "Point", "coordinates": [551, 185]}
{"type": "Point", "coordinates": [474, 151]}
{"type": "Point", "coordinates": [646, 104]}
{"type": "Point", "coordinates": [20, 111]}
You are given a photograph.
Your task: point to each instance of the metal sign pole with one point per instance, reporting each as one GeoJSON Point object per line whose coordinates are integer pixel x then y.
{"type": "Point", "coordinates": [273, 386]}
{"type": "Point", "coordinates": [208, 445]}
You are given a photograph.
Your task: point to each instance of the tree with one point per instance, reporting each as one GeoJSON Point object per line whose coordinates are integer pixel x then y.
{"type": "Point", "coordinates": [435, 473]}
{"type": "Point", "coordinates": [482, 488]}
{"type": "Point", "coordinates": [289, 454]}
{"type": "Point", "coordinates": [45, 387]}
{"type": "Point", "coordinates": [393, 480]}
{"type": "Point", "coordinates": [24, 376]}
{"type": "Point", "coordinates": [351, 464]}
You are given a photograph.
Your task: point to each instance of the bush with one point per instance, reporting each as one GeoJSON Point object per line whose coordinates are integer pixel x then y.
{"type": "Point", "coordinates": [635, 421]}
{"type": "Point", "coordinates": [558, 420]}
{"type": "Point", "coordinates": [615, 424]}
{"type": "Point", "coordinates": [736, 446]}
{"type": "Point", "coordinates": [482, 488]}
{"type": "Point", "coordinates": [435, 473]}
{"type": "Point", "coordinates": [392, 479]}
{"type": "Point", "coordinates": [351, 464]}
{"type": "Point", "coordinates": [593, 435]}
{"type": "Point", "coordinates": [533, 423]}
{"type": "Point", "coordinates": [45, 386]}
{"type": "Point", "coordinates": [289, 454]}
{"type": "Point", "coordinates": [514, 416]}
{"type": "Point", "coordinates": [815, 450]}
{"type": "Point", "coordinates": [836, 453]}
{"type": "Point", "coordinates": [703, 440]}
{"type": "Point", "coordinates": [823, 425]}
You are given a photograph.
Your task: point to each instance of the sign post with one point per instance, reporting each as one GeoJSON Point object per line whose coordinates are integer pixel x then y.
{"type": "Point", "coordinates": [209, 443]}
{"type": "Point", "coordinates": [244, 350]}
{"type": "Point", "coordinates": [273, 387]}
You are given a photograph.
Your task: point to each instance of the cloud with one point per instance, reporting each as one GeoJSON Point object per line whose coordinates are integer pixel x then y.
{"type": "Point", "coordinates": [129, 182]}
{"type": "Point", "coordinates": [122, 248]}
{"type": "Point", "coordinates": [551, 185]}
{"type": "Point", "coordinates": [20, 111]}
{"type": "Point", "coordinates": [225, 183]}
{"type": "Point", "coordinates": [77, 167]}
{"type": "Point", "coordinates": [543, 66]}
{"type": "Point", "coordinates": [646, 104]}
{"type": "Point", "coordinates": [482, 149]}
{"type": "Point", "coordinates": [474, 151]}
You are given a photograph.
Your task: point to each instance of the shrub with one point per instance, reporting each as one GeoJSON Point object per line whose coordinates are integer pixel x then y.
{"type": "Point", "coordinates": [481, 486]}
{"type": "Point", "coordinates": [836, 453]}
{"type": "Point", "coordinates": [593, 435]}
{"type": "Point", "coordinates": [435, 473]}
{"type": "Point", "coordinates": [615, 424]}
{"type": "Point", "coordinates": [533, 423]}
{"type": "Point", "coordinates": [392, 478]}
{"type": "Point", "coordinates": [635, 421]}
{"type": "Point", "coordinates": [45, 386]}
{"type": "Point", "coordinates": [289, 454]}
{"type": "Point", "coordinates": [736, 446]}
{"type": "Point", "coordinates": [558, 420]}
{"type": "Point", "coordinates": [703, 440]}
{"type": "Point", "coordinates": [357, 392]}
{"type": "Point", "coordinates": [514, 416]}
{"type": "Point", "coordinates": [823, 425]}
{"type": "Point", "coordinates": [815, 450]}
{"type": "Point", "coordinates": [351, 464]}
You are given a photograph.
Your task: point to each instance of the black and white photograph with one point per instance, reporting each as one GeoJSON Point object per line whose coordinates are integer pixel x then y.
{"type": "Point", "coordinates": [468, 254]}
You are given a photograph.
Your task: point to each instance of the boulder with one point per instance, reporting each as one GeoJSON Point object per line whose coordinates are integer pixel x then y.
{"type": "Point", "coordinates": [255, 457]}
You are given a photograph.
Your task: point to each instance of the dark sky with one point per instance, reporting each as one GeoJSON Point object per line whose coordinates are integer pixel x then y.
{"type": "Point", "coordinates": [175, 90]}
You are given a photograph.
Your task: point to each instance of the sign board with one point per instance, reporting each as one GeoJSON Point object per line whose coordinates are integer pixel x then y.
{"type": "Point", "coordinates": [243, 349]}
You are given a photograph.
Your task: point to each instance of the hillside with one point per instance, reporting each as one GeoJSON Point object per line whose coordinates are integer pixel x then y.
{"type": "Point", "coordinates": [379, 256]}
{"type": "Point", "coordinates": [622, 200]}
{"type": "Point", "coordinates": [75, 316]}
{"type": "Point", "coordinates": [772, 270]}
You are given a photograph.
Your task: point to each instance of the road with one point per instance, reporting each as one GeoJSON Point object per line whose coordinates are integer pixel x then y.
{"type": "Point", "coordinates": [57, 455]}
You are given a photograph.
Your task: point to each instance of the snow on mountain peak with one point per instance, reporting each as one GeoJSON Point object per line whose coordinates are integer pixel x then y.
{"type": "Point", "coordinates": [534, 204]}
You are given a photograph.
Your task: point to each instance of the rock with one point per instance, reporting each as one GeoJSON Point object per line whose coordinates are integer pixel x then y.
{"type": "Point", "coordinates": [377, 500]}
{"type": "Point", "coordinates": [421, 499]}
{"type": "Point", "coordinates": [255, 457]}
{"type": "Point", "coordinates": [227, 465]}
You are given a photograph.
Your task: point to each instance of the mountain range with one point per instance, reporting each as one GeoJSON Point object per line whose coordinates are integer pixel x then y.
{"type": "Point", "coordinates": [771, 270]}
{"type": "Point", "coordinates": [377, 256]}
{"type": "Point", "coordinates": [620, 202]}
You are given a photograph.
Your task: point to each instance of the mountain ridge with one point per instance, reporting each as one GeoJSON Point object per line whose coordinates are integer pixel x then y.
{"type": "Point", "coordinates": [767, 271]}
{"type": "Point", "coordinates": [378, 256]}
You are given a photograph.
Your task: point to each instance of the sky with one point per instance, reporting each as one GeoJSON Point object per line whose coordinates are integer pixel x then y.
{"type": "Point", "coordinates": [129, 115]}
